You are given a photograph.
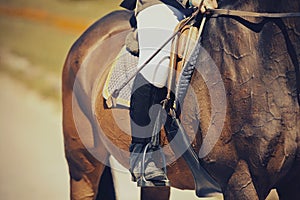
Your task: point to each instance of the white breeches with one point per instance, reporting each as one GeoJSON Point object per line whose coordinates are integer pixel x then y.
{"type": "Point", "coordinates": [155, 26]}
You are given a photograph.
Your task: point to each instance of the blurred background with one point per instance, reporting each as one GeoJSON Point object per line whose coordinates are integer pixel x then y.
{"type": "Point", "coordinates": [38, 34]}
{"type": "Point", "coordinates": [35, 37]}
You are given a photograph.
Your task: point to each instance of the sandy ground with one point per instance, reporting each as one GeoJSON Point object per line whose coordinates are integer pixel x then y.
{"type": "Point", "coordinates": [31, 146]}
{"type": "Point", "coordinates": [32, 164]}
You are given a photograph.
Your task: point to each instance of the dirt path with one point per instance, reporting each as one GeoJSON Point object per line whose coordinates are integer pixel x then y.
{"type": "Point", "coordinates": [31, 146]}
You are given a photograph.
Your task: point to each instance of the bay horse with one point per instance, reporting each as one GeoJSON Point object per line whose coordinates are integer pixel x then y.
{"type": "Point", "coordinates": [258, 147]}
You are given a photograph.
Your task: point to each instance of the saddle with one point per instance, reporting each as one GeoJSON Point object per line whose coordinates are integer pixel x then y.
{"type": "Point", "coordinates": [125, 65]}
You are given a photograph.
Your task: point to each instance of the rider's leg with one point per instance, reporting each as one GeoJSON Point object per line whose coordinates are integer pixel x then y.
{"type": "Point", "coordinates": [143, 111]}
{"type": "Point", "coordinates": [155, 25]}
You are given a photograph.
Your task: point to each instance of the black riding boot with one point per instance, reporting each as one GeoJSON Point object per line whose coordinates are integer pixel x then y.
{"type": "Point", "coordinates": [144, 107]}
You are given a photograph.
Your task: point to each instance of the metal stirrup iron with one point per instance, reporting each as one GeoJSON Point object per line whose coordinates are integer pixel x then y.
{"type": "Point", "coordinates": [154, 143]}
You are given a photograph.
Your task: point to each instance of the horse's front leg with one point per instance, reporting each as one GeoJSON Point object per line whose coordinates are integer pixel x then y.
{"type": "Point", "coordinates": [240, 185]}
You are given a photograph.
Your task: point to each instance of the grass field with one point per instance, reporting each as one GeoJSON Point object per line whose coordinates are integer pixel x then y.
{"type": "Point", "coordinates": [33, 45]}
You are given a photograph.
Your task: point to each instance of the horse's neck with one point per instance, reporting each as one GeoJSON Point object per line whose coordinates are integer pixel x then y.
{"type": "Point", "coordinates": [248, 5]}
{"type": "Point", "coordinates": [262, 6]}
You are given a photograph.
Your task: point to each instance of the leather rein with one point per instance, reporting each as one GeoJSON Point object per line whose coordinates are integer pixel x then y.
{"type": "Point", "coordinates": [215, 13]}
{"type": "Point", "coordinates": [239, 13]}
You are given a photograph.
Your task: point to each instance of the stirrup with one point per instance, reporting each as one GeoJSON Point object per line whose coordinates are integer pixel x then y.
{"type": "Point", "coordinates": [143, 182]}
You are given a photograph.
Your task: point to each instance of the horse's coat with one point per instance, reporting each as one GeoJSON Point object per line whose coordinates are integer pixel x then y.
{"type": "Point", "coordinates": [259, 144]}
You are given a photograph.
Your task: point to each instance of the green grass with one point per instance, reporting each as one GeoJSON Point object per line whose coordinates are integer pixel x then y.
{"type": "Point", "coordinates": [45, 46]}
{"type": "Point", "coordinates": [39, 82]}
{"type": "Point", "coordinates": [42, 45]}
